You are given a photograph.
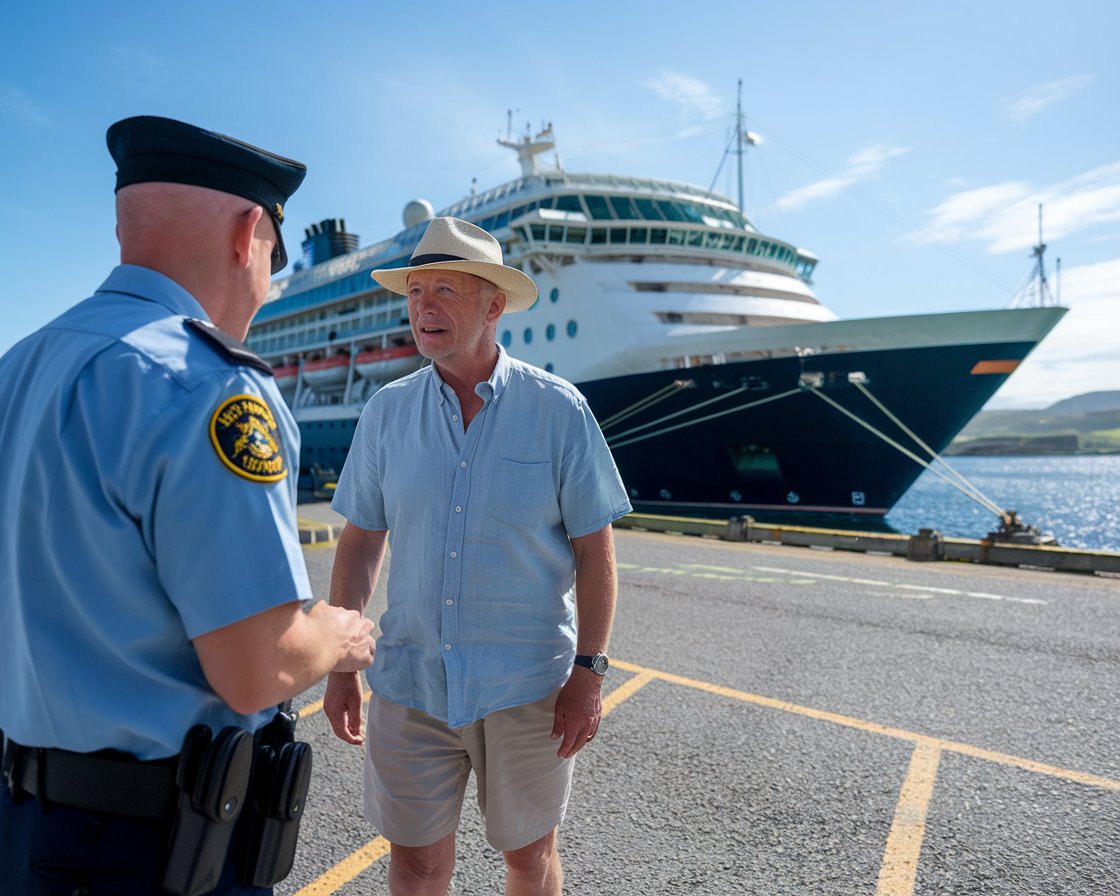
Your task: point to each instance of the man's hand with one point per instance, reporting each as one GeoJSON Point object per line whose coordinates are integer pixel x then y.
{"type": "Point", "coordinates": [579, 710]}
{"type": "Point", "coordinates": [342, 704]}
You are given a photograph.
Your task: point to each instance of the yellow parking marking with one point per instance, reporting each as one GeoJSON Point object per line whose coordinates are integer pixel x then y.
{"type": "Point", "coordinates": [899, 870]}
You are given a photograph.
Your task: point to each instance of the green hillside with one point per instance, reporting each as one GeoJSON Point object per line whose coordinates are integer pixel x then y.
{"type": "Point", "coordinates": [1085, 424]}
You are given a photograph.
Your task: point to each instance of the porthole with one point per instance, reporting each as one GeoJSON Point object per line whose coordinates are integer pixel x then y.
{"type": "Point", "coordinates": [550, 332]}
{"type": "Point", "coordinates": [528, 335]}
{"type": "Point", "coordinates": [507, 338]}
{"type": "Point", "coordinates": [554, 295]}
{"type": "Point", "coordinates": [549, 367]}
{"type": "Point", "coordinates": [572, 328]}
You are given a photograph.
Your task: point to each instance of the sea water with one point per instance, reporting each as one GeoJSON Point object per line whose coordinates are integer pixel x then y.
{"type": "Point", "coordinates": [1074, 498]}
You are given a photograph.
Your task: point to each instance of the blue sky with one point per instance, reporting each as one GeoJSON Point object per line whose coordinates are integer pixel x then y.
{"type": "Point", "coordinates": [907, 145]}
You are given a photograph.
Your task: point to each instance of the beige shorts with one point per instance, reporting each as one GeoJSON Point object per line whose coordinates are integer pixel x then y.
{"type": "Point", "coordinates": [416, 772]}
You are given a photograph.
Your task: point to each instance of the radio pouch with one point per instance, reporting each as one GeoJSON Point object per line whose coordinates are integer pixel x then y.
{"type": "Point", "coordinates": [213, 779]}
{"type": "Point", "coordinates": [281, 777]}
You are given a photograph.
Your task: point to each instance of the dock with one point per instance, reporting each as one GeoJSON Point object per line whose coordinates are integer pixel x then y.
{"type": "Point", "coordinates": [787, 716]}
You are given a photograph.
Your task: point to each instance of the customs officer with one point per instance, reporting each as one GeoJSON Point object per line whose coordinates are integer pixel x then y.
{"type": "Point", "coordinates": [154, 604]}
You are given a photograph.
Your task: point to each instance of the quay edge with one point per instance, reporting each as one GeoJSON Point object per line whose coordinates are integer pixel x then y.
{"type": "Point", "coordinates": [928, 545]}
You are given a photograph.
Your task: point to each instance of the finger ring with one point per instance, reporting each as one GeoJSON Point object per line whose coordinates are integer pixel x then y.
{"type": "Point", "coordinates": [590, 736]}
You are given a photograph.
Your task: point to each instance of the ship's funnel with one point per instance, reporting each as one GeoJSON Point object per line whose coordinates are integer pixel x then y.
{"type": "Point", "coordinates": [326, 240]}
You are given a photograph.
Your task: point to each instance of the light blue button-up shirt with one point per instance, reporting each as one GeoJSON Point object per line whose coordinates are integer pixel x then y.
{"type": "Point", "coordinates": [481, 609]}
{"type": "Point", "coordinates": [125, 534]}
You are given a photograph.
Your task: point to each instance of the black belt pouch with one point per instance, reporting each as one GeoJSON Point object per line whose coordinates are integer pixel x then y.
{"type": "Point", "coordinates": [214, 779]}
{"type": "Point", "coordinates": [278, 793]}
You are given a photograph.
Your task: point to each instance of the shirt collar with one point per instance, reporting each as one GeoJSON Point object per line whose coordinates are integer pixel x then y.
{"type": "Point", "coordinates": [489, 390]}
{"type": "Point", "coordinates": [152, 286]}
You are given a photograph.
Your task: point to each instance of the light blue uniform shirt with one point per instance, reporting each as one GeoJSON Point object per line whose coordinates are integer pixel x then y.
{"type": "Point", "coordinates": [481, 611]}
{"type": "Point", "coordinates": [125, 532]}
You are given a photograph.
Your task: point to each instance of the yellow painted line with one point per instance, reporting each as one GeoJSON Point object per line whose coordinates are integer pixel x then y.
{"type": "Point", "coordinates": [874, 728]}
{"type": "Point", "coordinates": [899, 870]}
{"type": "Point", "coordinates": [625, 691]}
{"type": "Point", "coordinates": [349, 868]}
{"type": "Point", "coordinates": [358, 861]}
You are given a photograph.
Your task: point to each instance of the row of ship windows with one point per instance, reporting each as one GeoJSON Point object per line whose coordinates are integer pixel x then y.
{"type": "Point", "coordinates": [549, 333]}
{"type": "Point", "coordinates": [661, 236]}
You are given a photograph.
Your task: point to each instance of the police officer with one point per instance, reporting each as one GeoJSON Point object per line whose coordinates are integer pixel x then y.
{"type": "Point", "coordinates": [151, 578]}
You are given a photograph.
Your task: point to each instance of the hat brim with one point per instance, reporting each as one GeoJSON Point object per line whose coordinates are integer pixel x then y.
{"type": "Point", "coordinates": [520, 290]}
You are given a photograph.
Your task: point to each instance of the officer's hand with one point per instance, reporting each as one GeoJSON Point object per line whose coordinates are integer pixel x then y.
{"type": "Point", "coordinates": [351, 632]}
{"type": "Point", "coordinates": [343, 705]}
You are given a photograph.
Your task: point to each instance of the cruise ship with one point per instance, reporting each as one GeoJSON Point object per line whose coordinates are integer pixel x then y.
{"type": "Point", "coordinates": [723, 386]}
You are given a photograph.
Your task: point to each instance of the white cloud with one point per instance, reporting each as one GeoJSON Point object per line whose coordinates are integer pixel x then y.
{"type": "Point", "coordinates": [22, 106]}
{"type": "Point", "coordinates": [1043, 96]}
{"type": "Point", "coordinates": [691, 95]}
{"type": "Point", "coordinates": [863, 165]}
{"type": "Point", "coordinates": [1082, 353]}
{"type": "Point", "coordinates": [1005, 216]}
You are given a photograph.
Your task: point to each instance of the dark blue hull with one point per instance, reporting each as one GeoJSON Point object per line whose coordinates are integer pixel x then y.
{"type": "Point", "coordinates": [747, 437]}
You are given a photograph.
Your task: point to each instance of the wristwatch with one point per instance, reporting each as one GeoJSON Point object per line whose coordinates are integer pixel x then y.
{"type": "Point", "coordinates": [597, 664]}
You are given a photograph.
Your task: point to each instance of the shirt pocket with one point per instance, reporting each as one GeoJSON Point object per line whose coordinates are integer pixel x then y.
{"type": "Point", "coordinates": [523, 493]}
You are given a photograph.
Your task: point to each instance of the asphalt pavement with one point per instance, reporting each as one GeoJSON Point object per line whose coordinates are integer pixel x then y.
{"type": "Point", "coordinates": [791, 721]}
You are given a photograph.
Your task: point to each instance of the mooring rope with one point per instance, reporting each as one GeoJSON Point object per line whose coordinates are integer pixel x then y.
{"type": "Point", "coordinates": [960, 483]}
{"type": "Point", "coordinates": [616, 443]}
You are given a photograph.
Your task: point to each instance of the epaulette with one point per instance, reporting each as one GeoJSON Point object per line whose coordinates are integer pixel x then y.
{"type": "Point", "coordinates": [230, 348]}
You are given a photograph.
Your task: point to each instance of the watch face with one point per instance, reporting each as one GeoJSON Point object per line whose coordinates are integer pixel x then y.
{"type": "Point", "coordinates": [599, 664]}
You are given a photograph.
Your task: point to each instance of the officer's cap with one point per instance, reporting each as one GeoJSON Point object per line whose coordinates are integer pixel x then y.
{"type": "Point", "coordinates": [148, 148]}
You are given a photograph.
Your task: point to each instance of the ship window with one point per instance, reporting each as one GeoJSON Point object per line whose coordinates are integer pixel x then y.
{"type": "Point", "coordinates": [549, 367]}
{"type": "Point", "coordinates": [639, 235]}
{"type": "Point", "coordinates": [623, 208]}
{"type": "Point", "coordinates": [649, 210]}
{"type": "Point", "coordinates": [597, 205]}
{"type": "Point", "coordinates": [658, 235]}
{"type": "Point", "coordinates": [598, 235]}
{"type": "Point", "coordinates": [572, 329]}
{"type": "Point", "coordinates": [501, 220]}
{"type": "Point", "coordinates": [695, 238]}
{"type": "Point", "coordinates": [507, 338]}
{"type": "Point", "coordinates": [550, 332]}
{"type": "Point", "coordinates": [568, 204]}
{"type": "Point", "coordinates": [538, 231]}
{"type": "Point", "coordinates": [691, 213]}
{"type": "Point", "coordinates": [669, 210]}
{"type": "Point", "coordinates": [618, 234]}
{"type": "Point", "coordinates": [528, 335]}
{"type": "Point", "coordinates": [554, 295]}
{"type": "Point", "coordinates": [576, 235]}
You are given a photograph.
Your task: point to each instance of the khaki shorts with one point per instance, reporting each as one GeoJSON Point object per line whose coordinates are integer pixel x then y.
{"type": "Point", "coordinates": [416, 772]}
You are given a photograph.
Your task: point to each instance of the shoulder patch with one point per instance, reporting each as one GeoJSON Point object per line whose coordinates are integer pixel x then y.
{"type": "Point", "coordinates": [228, 347]}
{"type": "Point", "coordinates": [243, 432]}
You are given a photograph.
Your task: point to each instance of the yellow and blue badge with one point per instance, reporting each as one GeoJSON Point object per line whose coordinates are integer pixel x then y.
{"type": "Point", "coordinates": [244, 433]}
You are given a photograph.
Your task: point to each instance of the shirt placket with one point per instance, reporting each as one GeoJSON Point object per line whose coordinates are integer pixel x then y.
{"type": "Point", "coordinates": [453, 657]}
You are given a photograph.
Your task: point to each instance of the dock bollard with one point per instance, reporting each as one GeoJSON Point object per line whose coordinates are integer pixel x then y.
{"type": "Point", "coordinates": [738, 527]}
{"type": "Point", "coordinates": [926, 545]}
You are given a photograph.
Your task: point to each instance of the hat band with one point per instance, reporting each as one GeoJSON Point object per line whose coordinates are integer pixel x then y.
{"type": "Point", "coordinates": [433, 259]}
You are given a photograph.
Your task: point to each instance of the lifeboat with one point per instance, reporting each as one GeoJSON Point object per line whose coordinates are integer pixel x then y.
{"type": "Point", "coordinates": [326, 371]}
{"type": "Point", "coordinates": [285, 376]}
{"type": "Point", "coordinates": [387, 363]}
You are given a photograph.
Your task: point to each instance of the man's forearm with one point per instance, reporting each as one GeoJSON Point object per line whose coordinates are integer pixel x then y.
{"type": "Point", "coordinates": [357, 566]}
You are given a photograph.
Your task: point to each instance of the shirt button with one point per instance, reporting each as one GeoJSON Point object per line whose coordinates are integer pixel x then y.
{"type": "Point", "coordinates": [455, 417]}
{"type": "Point", "coordinates": [450, 602]}
{"type": "Point", "coordinates": [463, 464]}
{"type": "Point", "coordinates": [454, 554]}
{"type": "Point", "coordinates": [458, 508]}
{"type": "Point", "coordinates": [446, 646]}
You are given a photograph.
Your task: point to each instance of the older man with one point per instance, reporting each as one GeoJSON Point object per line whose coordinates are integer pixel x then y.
{"type": "Point", "coordinates": [152, 586]}
{"type": "Point", "coordinates": [497, 490]}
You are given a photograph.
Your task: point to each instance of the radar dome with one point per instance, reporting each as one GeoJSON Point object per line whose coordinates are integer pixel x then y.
{"type": "Point", "coordinates": [417, 212]}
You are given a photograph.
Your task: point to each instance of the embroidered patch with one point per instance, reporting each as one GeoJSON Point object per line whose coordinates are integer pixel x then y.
{"type": "Point", "coordinates": [244, 433]}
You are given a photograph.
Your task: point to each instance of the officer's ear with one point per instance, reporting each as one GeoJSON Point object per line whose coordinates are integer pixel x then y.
{"type": "Point", "coordinates": [245, 226]}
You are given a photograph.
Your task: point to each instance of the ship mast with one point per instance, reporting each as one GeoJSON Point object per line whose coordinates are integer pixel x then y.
{"type": "Point", "coordinates": [743, 138]}
{"type": "Point", "coordinates": [528, 148]}
{"type": "Point", "coordinates": [1036, 293]}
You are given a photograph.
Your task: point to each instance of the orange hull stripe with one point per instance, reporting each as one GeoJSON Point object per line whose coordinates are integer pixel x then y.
{"type": "Point", "coordinates": [995, 366]}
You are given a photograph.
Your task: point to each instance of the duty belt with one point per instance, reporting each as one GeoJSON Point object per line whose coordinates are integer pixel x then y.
{"type": "Point", "coordinates": [96, 782]}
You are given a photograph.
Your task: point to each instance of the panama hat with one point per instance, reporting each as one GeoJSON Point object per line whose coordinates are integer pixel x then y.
{"type": "Point", "coordinates": [453, 245]}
